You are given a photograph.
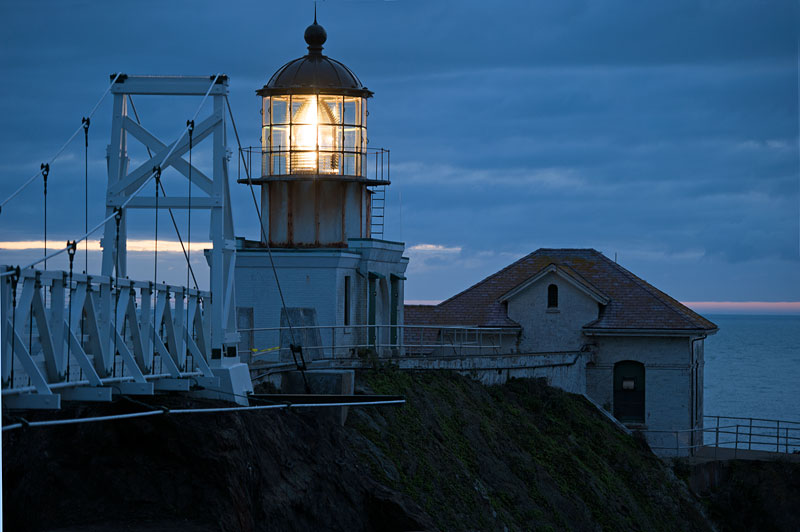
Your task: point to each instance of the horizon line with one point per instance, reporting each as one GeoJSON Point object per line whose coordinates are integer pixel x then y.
{"type": "Point", "coordinates": [722, 307]}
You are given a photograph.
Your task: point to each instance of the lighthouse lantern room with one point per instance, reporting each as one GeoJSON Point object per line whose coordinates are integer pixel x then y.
{"type": "Point", "coordinates": [316, 187]}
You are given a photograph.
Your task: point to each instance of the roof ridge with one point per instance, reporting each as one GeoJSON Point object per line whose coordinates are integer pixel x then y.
{"type": "Point", "coordinates": [655, 292]}
{"type": "Point", "coordinates": [498, 272]}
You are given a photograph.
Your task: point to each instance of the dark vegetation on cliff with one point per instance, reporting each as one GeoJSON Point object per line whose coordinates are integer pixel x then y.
{"type": "Point", "coordinates": [457, 456]}
{"type": "Point", "coordinates": [523, 455]}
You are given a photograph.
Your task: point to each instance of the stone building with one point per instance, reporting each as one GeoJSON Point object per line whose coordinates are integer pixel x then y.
{"type": "Point", "coordinates": [644, 349]}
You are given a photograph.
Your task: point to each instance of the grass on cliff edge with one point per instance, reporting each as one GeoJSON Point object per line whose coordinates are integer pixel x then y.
{"type": "Point", "coordinates": [520, 455]}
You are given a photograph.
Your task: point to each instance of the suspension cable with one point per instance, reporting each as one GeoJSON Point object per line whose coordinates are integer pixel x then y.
{"type": "Point", "coordinates": [71, 248]}
{"type": "Point", "coordinates": [169, 210]}
{"type": "Point", "coordinates": [190, 125]}
{"type": "Point", "coordinates": [86, 121]}
{"type": "Point", "coordinates": [214, 410]}
{"type": "Point", "coordinates": [294, 348]}
{"type": "Point", "coordinates": [45, 169]}
{"type": "Point", "coordinates": [131, 197]}
{"type": "Point", "coordinates": [52, 160]}
{"type": "Point", "coordinates": [14, 280]}
{"type": "Point", "coordinates": [157, 171]}
{"type": "Point", "coordinates": [117, 218]}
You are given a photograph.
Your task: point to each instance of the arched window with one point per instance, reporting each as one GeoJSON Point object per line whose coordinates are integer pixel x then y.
{"type": "Point", "coordinates": [629, 392]}
{"type": "Point", "coordinates": [552, 296]}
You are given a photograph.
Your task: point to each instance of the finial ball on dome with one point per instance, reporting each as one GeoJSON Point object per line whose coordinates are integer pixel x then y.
{"type": "Point", "coordinates": [315, 35]}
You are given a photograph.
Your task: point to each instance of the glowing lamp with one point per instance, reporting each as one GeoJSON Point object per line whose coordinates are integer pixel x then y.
{"type": "Point", "coordinates": [314, 116]}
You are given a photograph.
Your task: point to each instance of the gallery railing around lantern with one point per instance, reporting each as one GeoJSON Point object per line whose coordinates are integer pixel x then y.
{"type": "Point", "coordinates": [371, 165]}
{"type": "Point", "coordinates": [86, 337]}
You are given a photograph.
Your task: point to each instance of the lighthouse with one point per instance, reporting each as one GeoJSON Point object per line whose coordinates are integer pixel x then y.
{"type": "Point", "coordinates": [321, 275]}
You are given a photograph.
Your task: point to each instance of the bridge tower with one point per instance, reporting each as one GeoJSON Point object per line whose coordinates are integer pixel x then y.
{"type": "Point", "coordinates": [123, 183]}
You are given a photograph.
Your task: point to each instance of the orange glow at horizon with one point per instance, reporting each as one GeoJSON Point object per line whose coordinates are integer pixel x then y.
{"type": "Point", "coordinates": [775, 307]}
{"type": "Point", "coordinates": [166, 246]}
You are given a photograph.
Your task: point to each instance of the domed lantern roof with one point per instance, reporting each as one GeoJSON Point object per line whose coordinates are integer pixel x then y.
{"type": "Point", "coordinates": [315, 73]}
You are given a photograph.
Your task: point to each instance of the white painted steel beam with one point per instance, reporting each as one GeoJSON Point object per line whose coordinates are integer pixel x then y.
{"type": "Point", "coordinates": [180, 164]}
{"type": "Point", "coordinates": [170, 202]}
{"type": "Point", "coordinates": [169, 86]}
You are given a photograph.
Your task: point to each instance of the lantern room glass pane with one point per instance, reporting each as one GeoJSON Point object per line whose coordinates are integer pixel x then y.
{"type": "Point", "coordinates": [304, 109]}
{"type": "Point", "coordinates": [279, 113]}
{"type": "Point", "coordinates": [329, 137]}
{"type": "Point", "coordinates": [279, 138]}
{"type": "Point", "coordinates": [331, 109]}
{"type": "Point", "coordinates": [352, 111]}
{"type": "Point", "coordinates": [329, 162]}
{"type": "Point", "coordinates": [364, 113]}
{"type": "Point", "coordinates": [349, 164]}
{"type": "Point", "coordinates": [352, 138]}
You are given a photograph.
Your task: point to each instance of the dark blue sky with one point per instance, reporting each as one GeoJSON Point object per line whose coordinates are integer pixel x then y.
{"type": "Point", "coordinates": [666, 132]}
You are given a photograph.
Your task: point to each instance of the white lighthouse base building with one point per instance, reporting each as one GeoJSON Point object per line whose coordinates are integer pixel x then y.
{"type": "Point", "coordinates": [339, 301]}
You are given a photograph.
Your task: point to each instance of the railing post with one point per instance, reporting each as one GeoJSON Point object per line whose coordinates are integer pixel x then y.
{"type": "Point", "coordinates": [786, 441]}
{"type": "Point", "coordinates": [750, 435]}
{"type": "Point", "coordinates": [778, 437]}
{"type": "Point", "coordinates": [736, 449]}
{"type": "Point", "coordinates": [333, 342]}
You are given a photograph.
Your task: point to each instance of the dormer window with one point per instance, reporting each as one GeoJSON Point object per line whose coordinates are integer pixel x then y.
{"type": "Point", "coordinates": [552, 296]}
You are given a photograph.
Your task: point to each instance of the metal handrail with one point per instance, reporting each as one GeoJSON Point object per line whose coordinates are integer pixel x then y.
{"type": "Point", "coordinates": [375, 164]}
{"type": "Point", "coordinates": [432, 327]}
{"type": "Point", "coordinates": [348, 341]}
{"type": "Point", "coordinates": [782, 437]}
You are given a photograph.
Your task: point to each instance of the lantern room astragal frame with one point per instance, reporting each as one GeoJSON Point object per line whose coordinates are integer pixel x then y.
{"type": "Point", "coordinates": [314, 134]}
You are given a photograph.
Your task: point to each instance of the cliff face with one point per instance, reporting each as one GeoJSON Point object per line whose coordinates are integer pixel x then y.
{"type": "Point", "coordinates": [523, 456]}
{"type": "Point", "coordinates": [457, 456]}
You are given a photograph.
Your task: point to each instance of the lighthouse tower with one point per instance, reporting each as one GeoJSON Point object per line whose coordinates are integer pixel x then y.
{"type": "Point", "coordinates": [321, 207]}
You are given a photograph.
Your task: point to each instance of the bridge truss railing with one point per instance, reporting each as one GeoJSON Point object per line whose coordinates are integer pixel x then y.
{"type": "Point", "coordinates": [334, 342]}
{"type": "Point", "coordinates": [86, 337]}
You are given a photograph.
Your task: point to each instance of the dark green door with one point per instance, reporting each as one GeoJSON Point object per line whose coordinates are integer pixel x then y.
{"type": "Point", "coordinates": [629, 406]}
{"type": "Point", "coordinates": [394, 301]}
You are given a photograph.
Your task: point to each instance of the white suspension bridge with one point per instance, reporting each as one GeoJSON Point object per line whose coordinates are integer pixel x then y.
{"type": "Point", "coordinates": [85, 336]}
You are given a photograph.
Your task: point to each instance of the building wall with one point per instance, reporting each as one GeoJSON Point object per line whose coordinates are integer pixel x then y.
{"type": "Point", "coordinates": [308, 278]}
{"type": "Point", "coordinates": [550, 330]}
{"type": "Point", "coordinates": [668, 366]}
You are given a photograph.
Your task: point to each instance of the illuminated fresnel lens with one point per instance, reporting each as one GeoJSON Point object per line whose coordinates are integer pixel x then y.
{"type": "Point", "coordinates": [314, 116]}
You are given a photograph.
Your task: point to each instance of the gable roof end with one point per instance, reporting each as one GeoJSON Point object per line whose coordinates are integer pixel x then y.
{"type": "Point", "coordinates": [572, 278]}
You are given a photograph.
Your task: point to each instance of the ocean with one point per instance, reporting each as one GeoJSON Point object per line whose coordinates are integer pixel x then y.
{"type": "Point", "coordinates": [752, 367]}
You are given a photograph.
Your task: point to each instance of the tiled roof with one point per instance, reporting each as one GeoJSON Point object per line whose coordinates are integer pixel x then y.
{"type": "Point", "coordinates": [634, 303]}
